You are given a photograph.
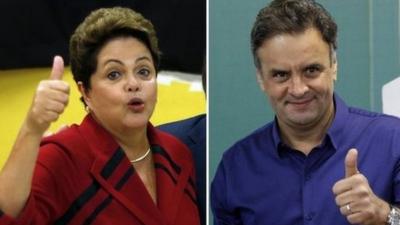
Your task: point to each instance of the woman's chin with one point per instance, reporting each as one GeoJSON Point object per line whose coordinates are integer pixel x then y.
{"type": "Point", "coordinates": [138, 122]}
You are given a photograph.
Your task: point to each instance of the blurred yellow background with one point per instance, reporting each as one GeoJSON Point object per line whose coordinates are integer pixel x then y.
{"type": "Point", "coordinates": [179, 96]}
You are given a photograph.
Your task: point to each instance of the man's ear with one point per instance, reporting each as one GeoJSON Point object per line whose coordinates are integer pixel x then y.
{"type": "Point", "coordinates": [260, 79]}
{"type": "Point", "coordinates": [334, 69]}
{"type": "Point", "coordinates": [334, 65]}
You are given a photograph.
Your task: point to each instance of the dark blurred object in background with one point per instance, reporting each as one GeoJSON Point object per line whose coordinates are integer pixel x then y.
{"type": "Point", "coordinates": [32, 32]}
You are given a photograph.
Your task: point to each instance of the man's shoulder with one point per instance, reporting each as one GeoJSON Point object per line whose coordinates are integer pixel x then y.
{"type": "Point", "coordinates": [354, 119]}
{"type": "Point", "coordinates": [374, 118]}
{"type": "Point", "coordinates": [182, 126]}
{"type": "Point", "coordinates": [261, 137]}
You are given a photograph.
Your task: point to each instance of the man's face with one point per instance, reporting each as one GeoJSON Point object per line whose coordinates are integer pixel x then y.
{"type": "Point", "coordinates": [297, 73]}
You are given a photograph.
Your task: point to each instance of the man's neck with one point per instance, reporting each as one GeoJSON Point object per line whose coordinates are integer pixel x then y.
{"type": "Point", "coordinates": [305, 138]}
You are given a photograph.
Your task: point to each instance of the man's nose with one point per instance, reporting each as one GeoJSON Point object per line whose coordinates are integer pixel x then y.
{"type": "Point", "coordinates": [297, 87]}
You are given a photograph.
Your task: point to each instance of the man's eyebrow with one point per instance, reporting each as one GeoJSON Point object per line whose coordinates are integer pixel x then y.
{"type": "Point", "coordinates": [317, 65]}
{"type": "Point", "coordinates": [273, 71]}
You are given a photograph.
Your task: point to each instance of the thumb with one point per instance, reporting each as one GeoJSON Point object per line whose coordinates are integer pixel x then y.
{"type": "Point", "coordinates": [351, 162]}
{"type": "Point", "coordinates": [57, 71]}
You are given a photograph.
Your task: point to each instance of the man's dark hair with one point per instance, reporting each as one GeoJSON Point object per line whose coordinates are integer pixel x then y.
{"type": "Point", "coordinates": [292, 17]}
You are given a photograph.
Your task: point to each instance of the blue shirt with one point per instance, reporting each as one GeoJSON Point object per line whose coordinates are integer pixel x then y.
{"type": "Point", "coordinates": [261, 181]}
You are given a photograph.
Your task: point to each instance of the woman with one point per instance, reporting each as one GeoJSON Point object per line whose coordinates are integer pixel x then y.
{"type": "Point", "coordinates": [114, 168]}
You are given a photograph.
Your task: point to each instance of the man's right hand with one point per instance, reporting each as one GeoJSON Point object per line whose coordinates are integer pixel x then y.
{"type": "Point", "coordinates": [50, 99]}
{"type": "Point", "coordinates": [355, 197]}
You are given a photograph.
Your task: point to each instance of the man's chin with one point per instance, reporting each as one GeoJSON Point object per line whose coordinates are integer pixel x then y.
{"type": "Point", "coordinates": [302, 120]}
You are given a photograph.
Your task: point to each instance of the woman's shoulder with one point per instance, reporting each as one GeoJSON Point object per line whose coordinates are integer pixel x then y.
{"type": "Point", "coordinates": [67, 139]}
{"type": "Point", "coordinates": [67, 145]}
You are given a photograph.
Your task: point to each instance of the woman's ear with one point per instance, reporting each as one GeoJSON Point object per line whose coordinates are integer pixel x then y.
{"type": "Point", "coordinates": [84, 92]}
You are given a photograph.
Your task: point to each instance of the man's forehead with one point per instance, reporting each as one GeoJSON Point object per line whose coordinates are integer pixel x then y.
{"type": "Point", "coordinates": [305, 35]}
{"type": "Point", "coordinates": [291, 46]}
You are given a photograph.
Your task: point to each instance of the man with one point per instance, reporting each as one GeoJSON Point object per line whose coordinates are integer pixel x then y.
{"type": "Point", "coordinates": [192, 132]}
{"type": "Point", "coordinates": [319, 161]}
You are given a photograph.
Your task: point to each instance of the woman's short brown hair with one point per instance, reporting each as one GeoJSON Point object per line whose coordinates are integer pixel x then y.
{"type": "Point", "coordinates": [101, 26]}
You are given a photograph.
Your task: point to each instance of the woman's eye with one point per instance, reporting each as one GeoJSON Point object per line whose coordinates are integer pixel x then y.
{"type": "Point", "coordinates": [144, 72]}
{"type": "Point", "coordinates": [113, 75]}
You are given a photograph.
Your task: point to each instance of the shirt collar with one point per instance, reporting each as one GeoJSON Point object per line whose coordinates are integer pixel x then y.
{"type": "Point", "coordinates": [338, 125]}
{"type": "Point", "coordinates": [276, 137]}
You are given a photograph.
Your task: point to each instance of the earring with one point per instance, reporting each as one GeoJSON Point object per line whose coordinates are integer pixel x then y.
{"type": "Point", "coordinates": [87, 109]}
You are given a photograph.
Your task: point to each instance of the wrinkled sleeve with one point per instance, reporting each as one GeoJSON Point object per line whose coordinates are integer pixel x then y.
{"type": "Point", "coordinates": [46, 197]}
{"type": "Point", "coordinates": [24, 218]}
{"type": "Point", "coordinates": [224, 213]}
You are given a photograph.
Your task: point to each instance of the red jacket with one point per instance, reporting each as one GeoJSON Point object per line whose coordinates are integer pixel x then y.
{"type": "Point", "coordinates": [82, 176]}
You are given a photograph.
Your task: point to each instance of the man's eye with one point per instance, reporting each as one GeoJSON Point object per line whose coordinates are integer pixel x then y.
{"type": "Point", "coordinates": [312, 71]}
{"type": "Point", "coordinates": [280, 76]}
{"type": "Point", "coordinates": [113, 75]}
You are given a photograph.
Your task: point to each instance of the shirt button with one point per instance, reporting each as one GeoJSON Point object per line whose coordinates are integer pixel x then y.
{"type": "Point", "coordinates": [309, 216]}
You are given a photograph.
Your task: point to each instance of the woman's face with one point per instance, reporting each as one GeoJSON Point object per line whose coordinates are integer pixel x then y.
{"type": "Point", "coordinates": [123, 89]}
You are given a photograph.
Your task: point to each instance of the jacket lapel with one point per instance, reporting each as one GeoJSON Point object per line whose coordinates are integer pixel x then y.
{"type": "Point", "coordinates": [115, 174]}
{"type": "Point", "coordinates": [131, 195]}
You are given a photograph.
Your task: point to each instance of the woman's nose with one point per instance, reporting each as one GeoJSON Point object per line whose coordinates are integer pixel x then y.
{"type": "Point", "coordinates": [132, 83]}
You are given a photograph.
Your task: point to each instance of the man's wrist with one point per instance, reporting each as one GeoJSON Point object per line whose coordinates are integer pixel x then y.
{"type": "Point", "coordinates": [393, 216]}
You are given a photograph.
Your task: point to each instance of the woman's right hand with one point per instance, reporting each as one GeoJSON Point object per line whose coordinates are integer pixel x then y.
{"type": "Point", "coordinates": [50, 100]}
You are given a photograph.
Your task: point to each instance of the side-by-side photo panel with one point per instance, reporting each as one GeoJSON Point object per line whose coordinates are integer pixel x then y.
{"type": "Point", "coordinates": [103, 116]}
{"type": "Point", "coordinates": [303, 112]}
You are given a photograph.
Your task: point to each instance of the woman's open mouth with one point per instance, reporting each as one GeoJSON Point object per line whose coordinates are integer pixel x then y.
{"type": "Point", "coordinates": [136, 105]}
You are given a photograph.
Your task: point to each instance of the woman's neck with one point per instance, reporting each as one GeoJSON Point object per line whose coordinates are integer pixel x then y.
{"type": "Point", "coordinates": [133, 141]}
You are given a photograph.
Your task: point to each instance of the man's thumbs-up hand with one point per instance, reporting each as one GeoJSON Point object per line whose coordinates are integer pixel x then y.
{"type": "Point", "coordinates": [350, 163]}
{"type": "Point", "coordinates": [50, 99]}
{"type": "Point", "coordinates": [355, 197]}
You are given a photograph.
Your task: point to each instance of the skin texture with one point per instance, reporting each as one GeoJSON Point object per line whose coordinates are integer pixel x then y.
{"type": "Point", "coordinates": [124, 71]}
{"type": "Point", "coordinates": [354, 190]}
{"type": "Point", "coordinates": [48, 103]}
{"type": "Point", "coordinates": [297, 74]}
{"type": "Point", "coordinates": [50, 99]}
